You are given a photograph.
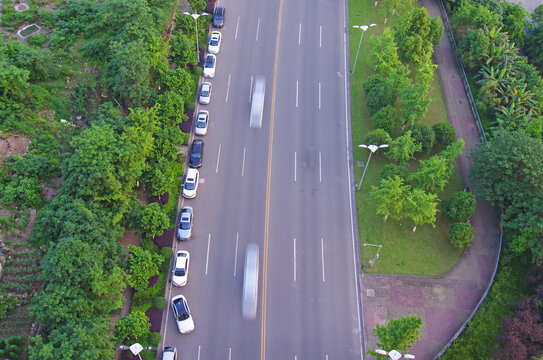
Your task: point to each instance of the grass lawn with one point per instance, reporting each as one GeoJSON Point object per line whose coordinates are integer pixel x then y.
{"type": "Point", "coordinates": [427, 251]}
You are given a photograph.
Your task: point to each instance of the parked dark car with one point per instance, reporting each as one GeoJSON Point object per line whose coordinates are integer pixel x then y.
{"type": "Point", "coordinates": [218, 18]}
{"type": "Point", "coordinates": [196, 153]}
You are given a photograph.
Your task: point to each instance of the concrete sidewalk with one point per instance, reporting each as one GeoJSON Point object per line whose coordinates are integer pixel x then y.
{"type": "Point", "coordinates": [443, 303]}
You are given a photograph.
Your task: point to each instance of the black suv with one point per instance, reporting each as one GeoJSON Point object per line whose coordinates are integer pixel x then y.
{"type": "Point", "coordinates": [196, 153]}
{"type": "Point", "coordinates": [218, 18]}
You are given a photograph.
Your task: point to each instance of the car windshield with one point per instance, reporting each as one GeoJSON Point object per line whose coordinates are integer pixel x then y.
{"type": "Point", "coordinates": [201, 123]}
{"type": "Point", "coordinates": [182, 314]}
{"type": "Point", "coordinates": [205, 92]}
{"type": "Point", "coordinates": [209, 61]}
{"type": "Point", "coordinates": [196, 155]}
{"type": "Point", "coordinates": [214, 42]}
{"type": "Point", "coordinates": [179, 272]}
{"type": "Point", "coordinates": [190, 184]}
{"type": "Point", "coordinates": [184, 224]}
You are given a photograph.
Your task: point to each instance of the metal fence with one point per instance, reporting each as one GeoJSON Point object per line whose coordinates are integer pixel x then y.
{"type": "Point", "coordinates": [483, 139]}
{"type": "Point", "coordinates": [463, 72]}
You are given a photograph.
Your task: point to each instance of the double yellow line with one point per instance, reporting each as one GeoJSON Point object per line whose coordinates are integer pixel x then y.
{"type": "Point", "coordinates": [268, 189]}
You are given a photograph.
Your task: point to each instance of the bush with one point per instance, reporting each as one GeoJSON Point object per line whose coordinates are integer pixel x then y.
{"type": "Point", "coordinates": [371, 82]}
{"type": "Point", "coordinates": [380, 96]}
{"type": "Point", "coordinates": [11, 347]}
{"type": "Point", "coordinates": [377, 137]}
{"type": "Point", "coordinates": [167, 253]}
{"type": "Point", "coordinates": [473, 48]}
{"type": "Point", "coordinates": [424, 135]}
{"type": "Point", "coordinates": [461, 234]}
{"type": "Point", "coordinates": [37, 40]}
{"type": "Point", "coordinates": [391, 170]}
{"type": "Point", "coordinates": [386, 119]}
{"type": "Point", "coordinates": [445, 134]}
{"type": "Point", "coordinates": [159, 303]}
{"type": "Point", "coordinates": [459, 206]}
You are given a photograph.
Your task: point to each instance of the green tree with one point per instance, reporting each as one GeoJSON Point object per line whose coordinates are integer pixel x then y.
{"type": "Point", "coordinates": [182, 50]}
{"type": "Point", "coordinates": [515, 19]}
{"type": "Point", "coordinates": [159, 179]}
{"type": "Point", "coordinates": [78, 339]}
{"type": "Point", "coordinates": [475, 14]}
{"type": "Point", "coordinates": [445, 134]}
{"type": "Point", "coordinates": [390, 197]}
{"type": "Point", "coordinates": [386, 118]}
{"type": "Point", "coordinates": [533, 47]}
{"type": "Point", "coordinates": [537, 15]}
{"type": "Point", "coordinates": [379, 96]}
{"type": "Point", "coordinates": [398, 334]}
{"type": "Point", "coordinates": [384, 56]}
{"type": "Point", "coordinates": [416, 34]}
{"type": "Point", "coordinates": [414, 102]}
{"type": "Point", "coordinates": [154, 220]}
{"type": "Point", "coordinates": [433, 174]}
{"type": "Point", "coordinates": [423, 135]}
{"type": "Point", "coordinates": [391, 170]}
{"type": "Point", "coordinates": [473, 47]}
{"type": "Point", "coordinates": [133, 327]}
{"type": "Point", "coordinates": [13, 82]}
{"type": "Point", "coordinates": [461, 234]}
{"type": "Point", "coordinates": [459, 206]}
{"type": "Point", "coordinates": [377, 137]}
{"type": "Point", "coordinates": [421, 207]}
{"type": "Point", "coordinates": [142, 264]}
{"type": "Point", "coordinates": [402, 148]}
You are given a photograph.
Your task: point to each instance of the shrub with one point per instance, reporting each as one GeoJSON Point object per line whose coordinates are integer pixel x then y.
{"type": "Point", "coordinates": [37, 40]}
{"type": "Point", "coordinates": [379, 97]}
{"type": "Point", "coordinates": [445, 134]}
{"type": "Point", "coordinates": [159, 303]}
{"type": "Point", "coordinates": [377, 137]}
{"type": "Point", "coordinates": [386, 119]}
{"type": "Point", "coordinates": [154, 338]}
{"type": "Point", "coordinates": [11, 347]}
{"type": "Point", "coordinates": [167, 253]}
{"type": "Point", "coordinates": [459, 206]}
{"type": "Point", "coordinates": [391, 170]}
{"type": "Point", "coordinates": [134, 326]}
{"type": "Point", "coordinates": [473, 48]}
{"type": "Point", "coordinates": [371, 82]}
{"type": "Point", "coordinates": [461, 234]}
{"type": "Point", "coordinates": [424, 135]}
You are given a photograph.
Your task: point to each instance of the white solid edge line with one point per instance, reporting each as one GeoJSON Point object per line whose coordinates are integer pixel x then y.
{"type": "Point", "coordinates": [294, 259]}
{"type": "Point", "coordinates": [228, 87]}
{"type": "Point", "coordinates": [207, 256]}
{"type": "Point", "coordinates": [322, 258]}
{"type": "Point", "coordinates": [236, 254]}
{"type": "Point", "coordinates": [351, 187]}
{"type": "Point", "coordinates": [237, 27]}
{"type": "Point", "coordinates": [218, 160]}
{"type": "Point", "coordinates": [243, 163]}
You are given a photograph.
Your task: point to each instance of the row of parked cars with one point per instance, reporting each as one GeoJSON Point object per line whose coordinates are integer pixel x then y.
{"type": "Point", "coordinates": [180, 272]}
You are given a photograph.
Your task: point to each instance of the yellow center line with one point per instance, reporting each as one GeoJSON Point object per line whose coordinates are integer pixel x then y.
{"type": "Point", "coordinates": [268, 189]}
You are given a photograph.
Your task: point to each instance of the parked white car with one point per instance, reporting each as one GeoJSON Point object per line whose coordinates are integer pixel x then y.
{"type": "Point", "coordinates": [205, 93]}
{"type": "Point", "coordinates": [201, 123]}
{"type": "Point", "coordinates": [181, 268]}
{"type": "Point", "coordinates": [182, 315]}
{"type": "Point", "coordinates": [214, 44]}
{"type": "Point", "coordinates": [190, 187]}
{"type": "Point", "coordinates": [209, 65]}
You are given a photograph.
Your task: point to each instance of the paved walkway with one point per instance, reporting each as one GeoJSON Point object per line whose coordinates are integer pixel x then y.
{"type": "Point", "coordinates": [443, 303]}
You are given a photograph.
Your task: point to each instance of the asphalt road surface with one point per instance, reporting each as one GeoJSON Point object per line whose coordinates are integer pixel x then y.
{"type": "Point", "coordinates": [286, 186]}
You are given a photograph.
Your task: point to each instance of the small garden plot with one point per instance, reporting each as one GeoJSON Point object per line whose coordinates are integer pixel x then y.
{"type": "Point", "coordinates": [18, 285]}
{"type": "Point", "coordinates": [28, 30]}
{"type": "Point", "coordinates": [20, 7]}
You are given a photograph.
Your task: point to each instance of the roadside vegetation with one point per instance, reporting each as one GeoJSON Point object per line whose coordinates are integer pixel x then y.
{"type": "Point", "coordinates": [397, 100]}
{"type": "Point", "coordinates": [508, 172]}
{"type": "Point", "coordinates": [91, 110]}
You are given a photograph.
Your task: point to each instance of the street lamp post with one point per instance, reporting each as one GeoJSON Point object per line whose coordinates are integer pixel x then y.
{"type": "Point", "coordinates": [196, 16]}
{"type": "Point", "coordinates": [394, 355]}
{"type": "Point", "coordinates": [363, 28]}
{"type": "Point", "coordinates": [373, 148]}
